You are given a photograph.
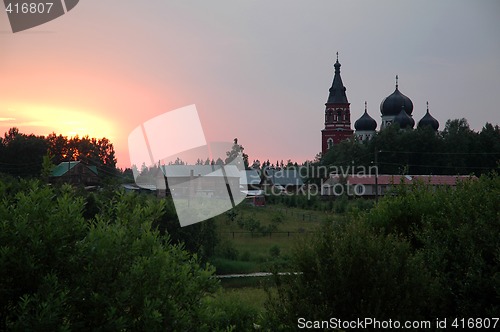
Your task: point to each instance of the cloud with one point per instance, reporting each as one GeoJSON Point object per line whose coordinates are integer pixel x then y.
{"type": "Point", "coordinates": [7, 119]}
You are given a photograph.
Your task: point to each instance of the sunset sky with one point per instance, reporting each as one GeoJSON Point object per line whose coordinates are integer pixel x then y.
{"type": "Point", "coordinates": [256, 70]}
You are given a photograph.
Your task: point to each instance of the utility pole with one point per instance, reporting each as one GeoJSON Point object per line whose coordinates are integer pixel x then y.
{"type": "Point", "coordinates": [376, 175]}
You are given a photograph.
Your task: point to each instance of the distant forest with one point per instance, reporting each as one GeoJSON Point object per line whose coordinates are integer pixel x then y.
{"type": "Point", "coordinates": [23, 155]}
{"type": "Point", "coordinates": [456, 150]}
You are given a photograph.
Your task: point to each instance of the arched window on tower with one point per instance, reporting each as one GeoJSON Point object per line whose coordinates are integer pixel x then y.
{"type": "Point", "coordinates": [330, 143]}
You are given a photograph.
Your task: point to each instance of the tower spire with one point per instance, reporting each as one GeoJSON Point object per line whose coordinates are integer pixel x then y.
{"type": "Point", "coordinates": [365, 107]}
{"type": "Point", "coordinates": [427, 106]}
{"type": "Point", "coordinates": [337, 91]}
{"type": "Point", "coordinates": [397, 81]}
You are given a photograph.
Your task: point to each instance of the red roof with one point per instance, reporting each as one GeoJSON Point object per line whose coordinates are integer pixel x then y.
{"type": "Point", "coordinates": [384, 179]}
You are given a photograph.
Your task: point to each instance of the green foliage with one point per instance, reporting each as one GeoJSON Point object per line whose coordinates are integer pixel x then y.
{"type": "Point", "coordinates": [420, 254]}
{"type": "Point", "coordinates": [21, 155]}
{"type": "Point", "coordinates": [227, 311]}
{"type": "Point", "coordinates": [59, 271]}
{"type": "Point", "coordinates": [352, 272]}
{"type": "Point", "coordinates": [456, 231]}
{"type": "Point", "coordinates": [274, 251]}
{"type": "Point", "coordinates": [47, 166]}
{"type": "Point", "coordinates": [229, 266]}
{"type": "Point", "coordinates": [340, 204]}
{"type": "Point", "coordinates": [226, 249]}
{"type": "Point", "coordinates": [250, 224]}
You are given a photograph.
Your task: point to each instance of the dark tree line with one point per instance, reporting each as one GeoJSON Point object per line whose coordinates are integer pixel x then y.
{"type": "Point", "coordinates": [22, 154]}
{"type": "Point", "coordinates": [456, 150]}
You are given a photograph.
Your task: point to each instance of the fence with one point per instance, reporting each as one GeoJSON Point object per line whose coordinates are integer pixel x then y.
{"type": "Point", "coordinates": [304, 216]}
{"type": "Point", "coordinates": [247, 234]}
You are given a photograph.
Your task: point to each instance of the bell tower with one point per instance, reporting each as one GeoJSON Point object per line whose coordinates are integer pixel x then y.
{"type": "Point", "coordinates": [337, 114]}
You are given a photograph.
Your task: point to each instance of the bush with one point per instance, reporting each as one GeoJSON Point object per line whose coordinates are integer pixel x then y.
{"type": "Point", "coordinates": [226, 249]}
{"type": "Point", "coordinates": [340, 204]}
{"type": "Point", "coordinates": [352, 272]}
{"type": "Point", "coordinates": [421, 254]}
{"type": "Point", "coordinates": [245, 256]}
{"type": "Point", "coordinates": [274, 251]}
{"type": "Point", "coordinates": [226, 312]}
{"type": "Point", "coordinates": [59, 271]}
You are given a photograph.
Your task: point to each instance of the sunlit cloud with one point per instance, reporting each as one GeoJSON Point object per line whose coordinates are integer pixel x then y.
{"type": "Point", "coordinates": [7, 119]}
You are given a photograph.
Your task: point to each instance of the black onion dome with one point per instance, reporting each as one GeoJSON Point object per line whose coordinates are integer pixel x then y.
{"type": "Point", "coordinates": [391, 105]}
{"type": "Point", "coordinates": [365, 122]}
{"type": "Point", "coordinates": [404, 120]}
{"type": "Point", "coordinates": [428, 120]}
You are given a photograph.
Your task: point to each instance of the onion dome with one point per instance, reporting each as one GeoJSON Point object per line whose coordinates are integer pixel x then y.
{"type": "Point", "coordinates": [405, 121]}
{"type": "Point", "coordinates": [337, 91]}
{"type": "Point", "coordinates": [365, 122]}
{"type": "Point", "coordinates": [391, 105]}
{"type": "Point", "coordinates": [428, 120]}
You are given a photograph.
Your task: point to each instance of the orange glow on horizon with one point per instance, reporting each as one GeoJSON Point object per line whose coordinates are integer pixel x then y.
{"type": "Point", "coordinates": [44, 119]}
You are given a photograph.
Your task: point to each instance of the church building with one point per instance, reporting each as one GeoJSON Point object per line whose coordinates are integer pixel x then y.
{"type": "Point", "coordinates": [396, 108]}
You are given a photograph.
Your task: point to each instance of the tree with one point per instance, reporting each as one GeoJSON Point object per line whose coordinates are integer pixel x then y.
{"type": "Point", "coordinates": [22, 154]}
{"type": "Point", "coordinates": [59, 271]}
{"type": "Point", "coordinates": [237, 150]}
{"type": "Point", "coordinates": [455, 150]}
{"type": "Point", "coordinates": [423, 253]}
{"type": "Point", "coordinates": [349, 271]}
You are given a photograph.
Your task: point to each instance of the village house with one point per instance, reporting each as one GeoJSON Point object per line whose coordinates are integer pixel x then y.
{"type": "Point", "coordinates": [367, 185]}
{"type": "Point", "coordinates": [251, 186]}
{"type": "Point", "coordinates": [76, 173]}
{"type": "Point", "coordinates": [282, 180]}
{"type": "Point", "coordinates": [209, 180]}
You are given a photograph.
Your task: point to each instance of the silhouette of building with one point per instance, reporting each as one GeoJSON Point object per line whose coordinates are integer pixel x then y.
{"type": "Point", "coordinates": [76, 173]}
{"type": "Point", "coordinates": [337, 114]}
{"type": "Point", "coordinates": [395, 108]}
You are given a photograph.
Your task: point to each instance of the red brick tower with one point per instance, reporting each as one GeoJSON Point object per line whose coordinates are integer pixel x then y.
{"type": "Point", "coordinates": [337, 114]}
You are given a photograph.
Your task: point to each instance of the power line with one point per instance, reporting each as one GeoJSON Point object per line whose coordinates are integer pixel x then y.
{"type": "Point", "coordinates": [434, 166]}
{"type": "Point", "coordinates": [450, 153]}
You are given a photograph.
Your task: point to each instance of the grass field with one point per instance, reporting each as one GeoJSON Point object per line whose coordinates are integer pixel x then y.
{"type": "Point", "coordinates": [261, 239]}
{"type": "Point", "coordinates": [257, 239]}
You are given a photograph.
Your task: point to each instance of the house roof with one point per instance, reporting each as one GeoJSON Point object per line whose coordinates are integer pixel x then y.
{"type": "Point", "coordinates": [284, 177]}
{"type": "Point", "coordinates": [385, 179]}
{"type": "Point", "coordinates": [199, 170]}
{"type": "Point", "coordinates": [65, 166]}
{"type": "Point", "coordinates": [249, 177]}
